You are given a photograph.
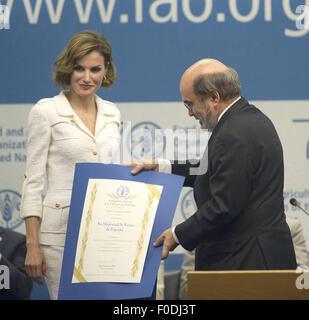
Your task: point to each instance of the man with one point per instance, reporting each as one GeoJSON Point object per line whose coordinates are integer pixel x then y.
{"type": "Point", "coordinates": [12, 255]}
{"type": "Point", "coordinates": [240, 222]}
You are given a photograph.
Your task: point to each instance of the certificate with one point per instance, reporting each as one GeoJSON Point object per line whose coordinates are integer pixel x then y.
{"type": "Point", "coordinates": [115, 229]}
{"type": "Point", "coordinates": [114, 219]}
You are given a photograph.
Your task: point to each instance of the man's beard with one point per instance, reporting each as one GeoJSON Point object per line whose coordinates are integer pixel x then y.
{"type": "Point", "coordinates": [210, 123]}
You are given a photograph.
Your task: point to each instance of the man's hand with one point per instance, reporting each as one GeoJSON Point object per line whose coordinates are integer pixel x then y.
{"type": "Point", "coordinates": [144, 164]}
{"type": "Point", "coordinates": [168, 241]}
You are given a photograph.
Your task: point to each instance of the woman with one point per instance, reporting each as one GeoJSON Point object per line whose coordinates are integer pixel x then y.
{"type": "Point", "coordinates": [74, 126]}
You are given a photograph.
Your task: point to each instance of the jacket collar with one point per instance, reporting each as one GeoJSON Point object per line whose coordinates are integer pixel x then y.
{"type": "Point", "coordinates": [106, 111]}
{"type": "Point", "coordinates": [64, 108]}
{"type": "Point", "coordinates": [236, 107]}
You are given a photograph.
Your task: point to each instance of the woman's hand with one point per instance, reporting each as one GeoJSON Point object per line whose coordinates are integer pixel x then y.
{"type": "Point", "coordinates": [35, 263]}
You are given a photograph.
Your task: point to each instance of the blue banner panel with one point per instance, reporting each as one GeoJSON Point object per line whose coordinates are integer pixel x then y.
{"type": "Point", "coordinates": [154, 41]}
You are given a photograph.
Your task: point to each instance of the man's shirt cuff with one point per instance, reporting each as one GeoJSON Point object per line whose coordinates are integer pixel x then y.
{"type": "Point", "coordinates": [174, 235]}
{"type": "Point", "coordinates": [165, 166]}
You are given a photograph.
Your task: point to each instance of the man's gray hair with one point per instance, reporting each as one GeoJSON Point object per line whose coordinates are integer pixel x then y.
{"type": "Point", "coordinates": [225, 83]}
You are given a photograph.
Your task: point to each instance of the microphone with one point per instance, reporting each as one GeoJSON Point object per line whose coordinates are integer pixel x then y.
{"type": "Point", "coordinates": [294, 203]}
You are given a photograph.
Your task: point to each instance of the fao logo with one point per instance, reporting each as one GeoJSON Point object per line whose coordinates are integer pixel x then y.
{"type": "Point", "coordinates": [10, 209]}
{"type": "Point", "coordinates": [147, 141]}
{"type": "Point", "coordinates": [122, 191]}
{"type": "Point", "coordinates": [188, 206]}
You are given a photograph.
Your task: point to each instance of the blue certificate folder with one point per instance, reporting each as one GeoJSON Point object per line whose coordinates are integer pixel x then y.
{"type": "Point", "coordinates": [172, 185]}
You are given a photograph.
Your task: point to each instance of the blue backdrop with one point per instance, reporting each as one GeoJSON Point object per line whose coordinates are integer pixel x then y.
{"type": "Point", "coordinates": [154, 41]}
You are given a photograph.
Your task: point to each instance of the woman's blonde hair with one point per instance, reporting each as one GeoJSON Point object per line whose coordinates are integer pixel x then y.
{"type": "Point", "coordinates": [80, 45]}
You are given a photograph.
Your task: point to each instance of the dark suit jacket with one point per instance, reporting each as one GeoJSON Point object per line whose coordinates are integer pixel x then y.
{"type": "Point", "coordinates": [13, 251]}
{"type": "Point", "coordinates": [240, 223]}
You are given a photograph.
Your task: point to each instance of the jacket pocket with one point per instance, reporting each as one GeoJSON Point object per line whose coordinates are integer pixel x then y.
{"type": "Point", "coordinates": [64, 130]}
{"type": "Point", "coordinates": [55, 214]}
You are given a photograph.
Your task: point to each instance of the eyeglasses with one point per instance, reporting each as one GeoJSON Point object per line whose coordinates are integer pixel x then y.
{"type": "Point", "coordinates": [188, 105]}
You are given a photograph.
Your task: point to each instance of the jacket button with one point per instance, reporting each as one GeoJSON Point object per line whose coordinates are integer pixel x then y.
{"type": "Point", "coordinates": [57, 205]}
{"type": "Point", "coordinates": [95, 153]}
{"type": "Point", "coordinates": [73, 121]}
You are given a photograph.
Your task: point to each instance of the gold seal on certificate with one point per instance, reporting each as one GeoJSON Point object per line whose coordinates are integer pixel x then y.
{"type": "Point", "coordinates": [115, 229]}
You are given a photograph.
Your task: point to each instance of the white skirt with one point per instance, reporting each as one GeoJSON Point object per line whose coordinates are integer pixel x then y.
{"type": "Point", "coordinates": [53, 257]}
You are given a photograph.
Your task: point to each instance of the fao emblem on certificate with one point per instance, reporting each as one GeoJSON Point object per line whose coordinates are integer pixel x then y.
{"type": "Point", "coordinates": [123, 191]}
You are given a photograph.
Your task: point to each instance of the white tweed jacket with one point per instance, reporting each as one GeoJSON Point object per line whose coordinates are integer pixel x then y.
{"type": "Point", "coordinates": [56, 140]}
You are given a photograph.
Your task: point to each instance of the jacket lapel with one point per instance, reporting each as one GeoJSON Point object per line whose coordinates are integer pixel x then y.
{"type": "Point", "coordinates": [65, 110]}
{"type": "Point", "coordinates": [63, 106]}
{"type": "Point", "coordinates": [201, 184]}
{"type": "Point", "coordinates": [106, 114]}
